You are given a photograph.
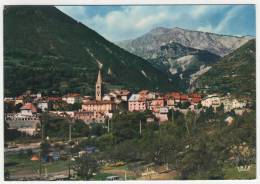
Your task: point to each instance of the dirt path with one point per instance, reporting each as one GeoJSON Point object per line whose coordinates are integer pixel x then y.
{"type": "Point", "coordinates": [162, 176]}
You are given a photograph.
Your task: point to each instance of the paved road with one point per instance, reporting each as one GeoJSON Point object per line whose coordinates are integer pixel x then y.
{"type": "Point", "coordinates": [22, 147]}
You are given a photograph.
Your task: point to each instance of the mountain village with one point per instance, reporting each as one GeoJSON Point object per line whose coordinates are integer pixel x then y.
{"type": "Point", "coordinates": [100, 109]}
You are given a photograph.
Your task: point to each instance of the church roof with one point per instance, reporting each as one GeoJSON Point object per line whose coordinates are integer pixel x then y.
{"type": "Point", "coordinates": [99, 78]}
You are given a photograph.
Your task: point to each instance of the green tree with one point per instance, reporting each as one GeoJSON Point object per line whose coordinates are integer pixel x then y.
{"type": "Point", "coordinates": [10, 134]}
{"type": "Point", "coordinates": [7, 174]}
{"type": "Point", "coordinates": [85, 166]}
{"type": "Point", "coordinates": [80, 129]}
{"type": "Point", "coordinates": [45, 148]}
{"type": "Point", "coordinates": [17, 107]}
{"type": "Point", "coordinates": [9, 107]}
{"type": "Point", "coordinates": [97, 129]}
{"type": "Point", "coordinates": [199, 106]}
{"type": "Point", "coordinates": [200, 162]}
{"type": "Point", "coordinates": [29, 153]}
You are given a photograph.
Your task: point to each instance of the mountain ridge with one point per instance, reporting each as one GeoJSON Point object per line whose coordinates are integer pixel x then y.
{"type": "Point", "coordinates": [179, 28]}
{"type": "Point", "coordinates": [183, 36]}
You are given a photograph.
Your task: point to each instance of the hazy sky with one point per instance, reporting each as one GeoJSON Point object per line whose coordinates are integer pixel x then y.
{"type": "Point", "coordinates": [126, 22]}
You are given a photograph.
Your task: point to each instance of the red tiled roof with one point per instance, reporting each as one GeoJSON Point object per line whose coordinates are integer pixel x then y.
{"type": "Point", "coordinates": [195, 95]}
{"type": "Point", "coordinates": [29, 106]}
{"type": "Point", "coordinates": [54, 98]}
{"type": "Point", "coordinates": [143, 92]}
{"type": "Point", "coordinates": [175, 95]}
{"type": "Point", "coordinates": [72, 95]}
{"type": "Point", "coordinates": [184, 97]}
{"type": "Point", "coordinates": [196, 100]}
{"type": "Point", "coordinates": [142, 98]}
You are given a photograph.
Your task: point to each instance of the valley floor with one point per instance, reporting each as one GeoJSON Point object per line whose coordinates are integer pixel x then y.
{"type": "Point", "coordinates": [21, 167]}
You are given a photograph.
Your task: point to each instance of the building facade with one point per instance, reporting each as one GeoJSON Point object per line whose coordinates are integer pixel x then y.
{"type": "Point", "coordinates": [137, 103]}
{"type": "Point", "coordinates": [99, 109]}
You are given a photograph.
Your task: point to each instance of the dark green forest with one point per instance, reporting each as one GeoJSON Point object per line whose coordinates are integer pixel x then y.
{"type": "Point", "coordinates": [46, 50]}
{"type": "Point", "coordinates": [234, 73]}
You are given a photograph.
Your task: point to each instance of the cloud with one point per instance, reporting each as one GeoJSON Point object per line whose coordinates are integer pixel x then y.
{"type": "Point", "coordinates": [207, 28]}
{"type": "Point", "coordinates": [76, 12]}
{"type": "Point", "coordinates": [199, 11]}
{"type": "Point", "coordinates": [224, 23]}
{"type": "Point", "coordinates": [125, 22]}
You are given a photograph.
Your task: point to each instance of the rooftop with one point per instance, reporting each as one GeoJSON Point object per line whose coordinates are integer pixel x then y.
{"type": "Point", "coordinates": [72, 95]}
{"type": "Point", "coordinates": [29, 106]}
{"type": "Point", "coordinates": [95, 102]}
{"type": "Point", "coordinates": [136, 97]}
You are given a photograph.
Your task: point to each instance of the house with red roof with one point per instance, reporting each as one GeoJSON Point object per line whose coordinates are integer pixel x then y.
{"type": "Point", "coordinates": [184, 98]}
{"type": "Point", "coordinates": [195, 101]}
{"type": "Point", "coordinates": [176, 96]}
{"type": "Point", "coordinates": [28, 109]}
{"type": "Point", "coordinates": [121, 94]}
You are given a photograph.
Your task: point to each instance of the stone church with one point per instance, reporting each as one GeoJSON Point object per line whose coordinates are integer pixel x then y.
{"type": "Point", "coordinates": [98, 109]}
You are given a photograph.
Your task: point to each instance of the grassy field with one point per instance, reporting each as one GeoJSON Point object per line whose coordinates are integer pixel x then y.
{"type": "Point", "coordinates": [22, 165]}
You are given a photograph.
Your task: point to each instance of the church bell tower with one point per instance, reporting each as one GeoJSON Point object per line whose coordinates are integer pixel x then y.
{"type": "Point", "coordinates": [99, 87]}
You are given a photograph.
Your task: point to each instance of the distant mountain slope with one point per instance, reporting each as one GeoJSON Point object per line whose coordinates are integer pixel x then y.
{"type": "Point", "coordinates": [218, 44]}
{"type": "Point", "coordinates": [234, 73]}
{"type": "Point", "coordinates": [46, 50]}
{"type": "Point", "coordinates": [176, 58]}
{"type": "Point", "coordinates": [181, 61]}
{"type": "Point", "coordinates": [183, 53]}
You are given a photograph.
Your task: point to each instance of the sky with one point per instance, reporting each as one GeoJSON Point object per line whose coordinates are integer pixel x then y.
{"type": "Point", "coordinates": [117, 23]}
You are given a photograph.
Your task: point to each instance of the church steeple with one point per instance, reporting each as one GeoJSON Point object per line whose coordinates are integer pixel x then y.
{"type": "Point", "coordinates": [99, 87]}
{"type": "Point", "coordinates": [99, 78]}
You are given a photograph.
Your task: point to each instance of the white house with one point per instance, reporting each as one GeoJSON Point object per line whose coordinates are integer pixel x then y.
{"type": "Point", "coordinates": [230, 104]}
{"type": "Point", "coordinates": [236, 104]}
{"type": "Point", "coordinates": [43, 105]}
{"type": "Point", "coordinates": [211, 100]}
{"type": "Point", "coordinates": [107, 97]}
{"type": "Point", "coordinates": [229, 120]}
{"type": "Point", "coordinates": [72, 98]}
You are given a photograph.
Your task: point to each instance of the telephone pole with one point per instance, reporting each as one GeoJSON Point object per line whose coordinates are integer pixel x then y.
{"type": "Point", "coordinates": [69, 163]}
{"type": "Point", "coordinates": [140, 127]}
{"type": "Point", "coordinates": [40, 153]}
{"type": "Point", "coordinates": [111, 125]}
{"type": "Point", "coordinates": [172, 115]}
{"type": "Point", "coordinates": [69, 132]}
{"type": "Point", "coordinates": [108, 125]}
